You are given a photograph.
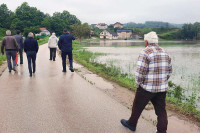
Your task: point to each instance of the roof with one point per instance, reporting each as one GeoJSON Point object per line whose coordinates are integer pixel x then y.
{"type": "Point", "coordinates": [118, 23]}
{"type": "Point", "coordinates": [41, 29]}
{"type": "Point", "coordinates": [102, 24]}
{"type": "Point", "coordinates": [113, 33]}
{"type": "Point", "coordinates": [124, 30]}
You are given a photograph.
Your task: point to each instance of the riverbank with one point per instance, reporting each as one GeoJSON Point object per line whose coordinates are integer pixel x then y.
{"type": "Point", "coordinates": [86, 58]}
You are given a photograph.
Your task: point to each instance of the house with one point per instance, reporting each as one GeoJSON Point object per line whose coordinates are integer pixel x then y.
{"type": "Point", "coordinates": [102, 26]}
{"type": "Point", "coordinates": [106, 34]}
{"type": "Point", "coordinates": [43, 31]}
{"type": "Point", "coordinates": [118, 25]}
{"type": "Point", "coordinates": [124, 33]}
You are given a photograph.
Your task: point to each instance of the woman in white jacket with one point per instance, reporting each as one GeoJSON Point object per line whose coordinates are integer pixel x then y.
{"type": "Point", "coordinates": [52, 44]}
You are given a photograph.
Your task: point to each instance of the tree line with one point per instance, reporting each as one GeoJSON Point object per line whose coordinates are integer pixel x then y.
{"type": "Point", "coordinates": [30, 19]}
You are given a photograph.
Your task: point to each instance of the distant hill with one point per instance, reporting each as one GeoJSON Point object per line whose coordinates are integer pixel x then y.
{"type": "Point", "coordinates": [152, 24]}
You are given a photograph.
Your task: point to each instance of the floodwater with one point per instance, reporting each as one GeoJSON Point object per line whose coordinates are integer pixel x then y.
{"type": "Point", "coordinates": [123, 54]}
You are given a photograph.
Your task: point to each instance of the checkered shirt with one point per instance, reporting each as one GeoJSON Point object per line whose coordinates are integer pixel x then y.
{"type": "Point", "coordinates": [153, 69]}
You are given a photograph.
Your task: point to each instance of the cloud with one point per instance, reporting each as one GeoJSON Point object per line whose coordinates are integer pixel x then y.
{"type": "Point", "coordinates": [110, 11]}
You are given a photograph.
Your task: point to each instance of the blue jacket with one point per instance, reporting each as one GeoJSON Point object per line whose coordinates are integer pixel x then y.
{"type": "Point", "coordinates": [65, 42]}
{"type": "Point", "coordinates": [19, 40]}
{"type": "Point", "coordinates": [30, 44]}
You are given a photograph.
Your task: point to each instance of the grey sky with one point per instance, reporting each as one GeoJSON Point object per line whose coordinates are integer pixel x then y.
{"type": "Point", "coordinates": [111, 11]}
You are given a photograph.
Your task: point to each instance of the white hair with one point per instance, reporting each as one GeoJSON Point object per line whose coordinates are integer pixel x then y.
{"type": "Point", "coordinates": [151, 37]}
{"type": "Point", "coordinates": [53, 33]}
{"type": "Point", "coordinates": [30, 34]}
{"type": "Point", "coordinates": [8, 33]}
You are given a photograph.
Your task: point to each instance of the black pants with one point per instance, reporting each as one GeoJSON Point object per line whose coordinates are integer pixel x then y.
{"type": "Point", "coordinates": [64, 57]}
{"type": "Point", "coordinates": [21, 55]}
{"type": "Point", "coordinates": [52, 53]}
{"type": "Point", "coordinates": [31, 56]}
{"type": "Point", "coordinates": [142, 98]}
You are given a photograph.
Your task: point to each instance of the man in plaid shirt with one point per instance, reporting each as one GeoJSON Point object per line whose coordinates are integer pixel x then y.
{"type": "Point", "coordinates": [153, 71]}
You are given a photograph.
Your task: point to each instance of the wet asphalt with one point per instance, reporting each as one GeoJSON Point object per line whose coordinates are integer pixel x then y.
{"type": "Point", "coordinates": [55, 102]}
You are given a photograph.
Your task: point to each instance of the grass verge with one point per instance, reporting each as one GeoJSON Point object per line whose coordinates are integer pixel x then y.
{"type": "Point", "coordinates": [175, 98]}
{"type": "Point", "coordinates": [43, 41]}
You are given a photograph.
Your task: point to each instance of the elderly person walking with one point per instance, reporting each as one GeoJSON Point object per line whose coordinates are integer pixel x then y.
{"type": "Point", "coordinates": [11, 48]}
{"type": "Point", "coordinates": [65, 45]}
{"type": "Point", "coordinates": [20, 42]}
{"type": "Point", "coordinates": [52, 44]}
{"type": "Point", "coordinates": [31, 49]}
{"type": "Point", "coordinates": [153, 71]}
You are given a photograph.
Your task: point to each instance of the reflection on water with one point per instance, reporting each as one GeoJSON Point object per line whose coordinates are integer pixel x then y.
{"type": "Point", "coordinates": [185, 59]}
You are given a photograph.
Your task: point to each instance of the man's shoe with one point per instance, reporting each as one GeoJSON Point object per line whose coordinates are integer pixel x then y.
{"type": "Point", "coordinates": [64, 71]}
{"type": "Point", "coordinates": [126, 124]}
{"type": "Point", "coordinates": [9, 71]}
{"type": "Point", "coordinates": [71, 69]}
{"type": "Point", "coordinates": [14, 69]}
{"type": "Point", "coordinates": [50, 59]}
{"type": "Point", "coordinates": [21, 63]}
{"type": "Point", "coordinates": [30, 75]}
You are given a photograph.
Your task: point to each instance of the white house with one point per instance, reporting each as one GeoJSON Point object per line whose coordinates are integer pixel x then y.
{"type": "Point", "coordinates": [44, 31]}
{"type": "Point", "coordinates": [118, 25]}
{"type": "Point", "coordinates": [106, 34]}
{"type": "Point", "coordinates": [102, 26]}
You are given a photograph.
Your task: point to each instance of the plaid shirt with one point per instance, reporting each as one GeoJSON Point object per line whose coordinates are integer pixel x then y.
{"type": "Point", "coordinates": [153, 69]}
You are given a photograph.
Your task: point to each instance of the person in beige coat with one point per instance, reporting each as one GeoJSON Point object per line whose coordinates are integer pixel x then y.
{"type": "Point", "coordinates": [52, 44]}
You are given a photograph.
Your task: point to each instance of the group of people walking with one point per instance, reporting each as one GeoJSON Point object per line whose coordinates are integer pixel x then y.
{"type": "Point", "coordinates": [14, 44]}
{"type": "Point", "coordinates": [153, 70]}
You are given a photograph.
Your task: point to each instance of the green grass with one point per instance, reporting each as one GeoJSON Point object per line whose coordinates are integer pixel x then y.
{"type": "Point", "coordinates": [176, 99]}
{"type": "Point", "coordinates": [43, 41]}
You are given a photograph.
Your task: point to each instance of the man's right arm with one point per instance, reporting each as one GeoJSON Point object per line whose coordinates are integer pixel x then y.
{"type": "Point", "coordinates": [60, 42]}
{"type": "Point", "coordinates": [2, 46]}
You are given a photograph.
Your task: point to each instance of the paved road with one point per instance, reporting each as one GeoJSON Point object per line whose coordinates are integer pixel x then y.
{"type": "Point", "coordinates": [54, 102]}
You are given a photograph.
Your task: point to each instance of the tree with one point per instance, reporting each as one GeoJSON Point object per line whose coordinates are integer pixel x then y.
{"type": "Point", "coordinates": [81, 30]}
{"type": "Point", "coordinates": [5, 16]}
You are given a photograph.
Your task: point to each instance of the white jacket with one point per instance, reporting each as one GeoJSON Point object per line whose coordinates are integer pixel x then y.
{"type": "Point", "coordinates": [53, 42]}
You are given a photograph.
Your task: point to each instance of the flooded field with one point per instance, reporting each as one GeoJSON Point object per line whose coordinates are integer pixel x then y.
{"type": "Point", "coordinates": [123, 54]}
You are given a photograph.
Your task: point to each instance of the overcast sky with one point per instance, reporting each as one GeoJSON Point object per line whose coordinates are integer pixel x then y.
{"type": "Point", "coordinates": [111, 11]}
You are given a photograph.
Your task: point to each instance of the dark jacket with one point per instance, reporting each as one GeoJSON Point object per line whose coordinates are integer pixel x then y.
{"type": "Point", "coordinates": [65, 42]}
{"type": "Point", "coordinates": [30, 44]}
{"type": "Point", "coordinates": [9, 43]}
{"type": "Point", "coordinates": [19, 40]}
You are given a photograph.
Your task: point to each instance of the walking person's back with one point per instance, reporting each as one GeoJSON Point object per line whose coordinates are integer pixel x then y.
{"type": "Point", "coordinates": [11, 48]}
{"type": "Point", "coordinates": [52, 44]}
{"type": "Point", "coordinates": [65, 45]}
{"type": "Point", "coordinates": [31, 49]}
{"type": "Point", "coordinates": [153, 71]}
{"type": "Point", "coordinates": [20, 42]}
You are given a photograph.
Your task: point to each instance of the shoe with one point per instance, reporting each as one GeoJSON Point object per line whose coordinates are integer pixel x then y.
{"type": "Point", "coordinates": [9, 71]}
{"type": "Point", "coordinates": [125, 123]}
{"type": "Point", "coordinates": [71, 69]}
{"type": "Point", "coordinates": [14, 69]}
{"type": "Point", "coordinates": [64, 71]}
{"type": "Point", "coordinates": [54, 60]}
{"type": "Point", "coordinates": [30, 75]}
{"type": "Point", "coordinates": [50, 59]}
{"type": "Point", "coordinates": [21, 63]}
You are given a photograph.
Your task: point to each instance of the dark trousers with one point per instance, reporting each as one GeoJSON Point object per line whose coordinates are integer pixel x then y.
{"type": "Point", "coordinates": [11, 54]}
{"type": "Point", "coordinates": [64, 56]}
{"type": "Point", "coordinates": [31, 56]}
{"type": "Point", "coordinates": [21, 55]}
{"type": "Point", "coordinates": [52, 53]}
{"type": "Point", "coordinates": [142, 98]}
